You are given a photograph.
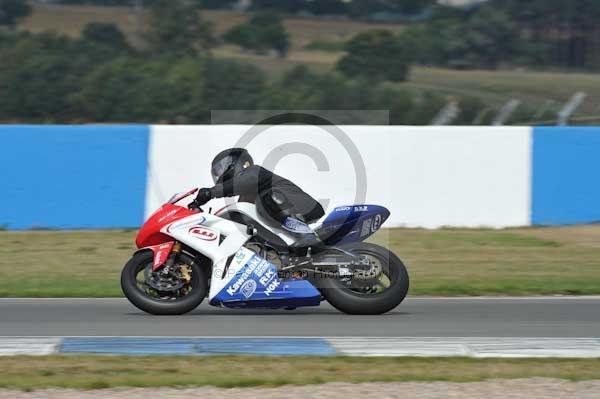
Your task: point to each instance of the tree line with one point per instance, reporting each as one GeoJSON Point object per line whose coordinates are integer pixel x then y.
{"type": "Point", "coordinates": [537, 33]}
{"type": "Point", "coordinates": [48, 78]}
{"type": "Point", "coordinates": [353, 8]}
{"type": "Point", "coordinates": [99, 77]}
{"type": "Point", "coordinates": [497, 33]}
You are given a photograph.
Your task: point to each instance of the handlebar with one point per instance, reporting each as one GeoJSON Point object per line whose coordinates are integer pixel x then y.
{"type": "Point", "coordinates": [193, 207]}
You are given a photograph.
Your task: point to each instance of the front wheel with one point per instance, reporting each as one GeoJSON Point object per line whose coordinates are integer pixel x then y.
{"type": "Point", "coordinates": [177, 292]}
{"type": "Point", "coordinates": [375, 291]}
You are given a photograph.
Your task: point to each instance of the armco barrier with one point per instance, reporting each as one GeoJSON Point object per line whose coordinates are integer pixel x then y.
{"type": "Point", "coordinates": [111, 176]}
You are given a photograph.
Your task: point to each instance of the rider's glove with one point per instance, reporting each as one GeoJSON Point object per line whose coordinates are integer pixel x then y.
{"type": "Point", "coordinates": [204, 195]}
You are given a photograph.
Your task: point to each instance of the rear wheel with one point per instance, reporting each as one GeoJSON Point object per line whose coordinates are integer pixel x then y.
{"type": "Point", "coordinates": [375, 291]}
{"type": "Point", "coordinates": [178, 291]}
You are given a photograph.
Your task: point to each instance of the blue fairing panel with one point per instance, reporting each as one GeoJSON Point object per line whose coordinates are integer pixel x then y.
{"type": "Point", "coordinates": [257, 285]}
{"type": "Point", "coordinates": [352, 223]}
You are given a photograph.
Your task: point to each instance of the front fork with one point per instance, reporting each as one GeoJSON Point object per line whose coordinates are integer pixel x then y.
{"type": "Point", "coordinates": [172, 258]}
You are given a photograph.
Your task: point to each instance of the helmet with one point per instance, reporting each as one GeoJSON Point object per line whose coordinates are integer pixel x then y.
{"type": "Point", "coordinates": [230, 162]}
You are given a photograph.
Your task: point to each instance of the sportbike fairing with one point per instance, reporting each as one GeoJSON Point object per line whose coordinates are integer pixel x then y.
{"type": "Point", "coordinates": [254, 282]}
{"type": "Point", "coordinates": [355, 223]}
{"type": "Point", "coordinates": [246, 280]}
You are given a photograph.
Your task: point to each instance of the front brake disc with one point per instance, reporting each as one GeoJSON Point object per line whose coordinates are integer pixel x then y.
{"type": "Point", "coordinates": [163, 283]}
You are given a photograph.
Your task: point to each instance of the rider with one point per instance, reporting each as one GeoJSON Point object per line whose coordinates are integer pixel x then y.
{"type": "Point", "coordinates": [234, 173]}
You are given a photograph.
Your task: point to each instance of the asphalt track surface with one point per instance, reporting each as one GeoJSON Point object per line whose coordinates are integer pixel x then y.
{"type": "Point", "coordinates": [560, 317]}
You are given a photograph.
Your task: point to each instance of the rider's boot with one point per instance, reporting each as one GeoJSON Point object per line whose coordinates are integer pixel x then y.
{"type": "Point", "coordinates": [306, 238]}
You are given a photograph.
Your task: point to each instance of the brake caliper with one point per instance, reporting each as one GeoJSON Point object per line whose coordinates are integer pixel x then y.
{"type": "Point", "coordinates": [186, 273]}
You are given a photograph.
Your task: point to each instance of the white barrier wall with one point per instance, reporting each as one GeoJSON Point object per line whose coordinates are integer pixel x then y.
{"type": "Point", "coordinates": [427, 176]}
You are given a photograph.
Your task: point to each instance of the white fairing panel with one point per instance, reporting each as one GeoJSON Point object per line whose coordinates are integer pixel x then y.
{"type": "Point", "coordinates": [203, 232]}
{"type": "Point", "coordinates": [249, 210]}
{"type": "Point", "coordinates": [220, 280]}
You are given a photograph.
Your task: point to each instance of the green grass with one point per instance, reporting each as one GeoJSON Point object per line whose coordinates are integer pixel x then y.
{"type": "Point", "coordinates": [455, 262]}
{"type": "Point", "coordinates": [99, 372]}
{"type": "Point", "coordinates": [63, 263]}
{"type": "Point", "coordinates": [530, 261]}
{"type": "Point", "coordinates": [534, 88]}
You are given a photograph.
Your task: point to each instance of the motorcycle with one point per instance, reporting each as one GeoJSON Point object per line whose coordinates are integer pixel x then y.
{"type": "Point", "coordinates": [238, 258]}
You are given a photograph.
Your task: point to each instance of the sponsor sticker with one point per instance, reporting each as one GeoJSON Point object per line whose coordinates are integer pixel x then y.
{"type": "Point", "coordinates": [272, 287]}
{"type": "Point", "coordinates": [243, 277]}
{"type": "Point", "coordinates": [248, 288]}
{"type": "Point", "coordinates": [158, 257]}
{"type": "Point", "coordinates": [203, 233]}
{"type": "Point", "coordinates": [239, 257]}
{"type": "Point", "coordinates": [366, 227]}
{"type": "Point", "coordinates": [296, 226]}
{"type": "Point", "coordinates": [261, 268]}
{"type": "Point", "coordinates": [161, 254]}
{"type": "Point", "coordinates": [268, 276]}
{"type": "Point", "coordinates": [376, 223]}
{"type": "Point", "coordinates": [168, 215]}
{"type": "Point", "coordinates": [257, 276]}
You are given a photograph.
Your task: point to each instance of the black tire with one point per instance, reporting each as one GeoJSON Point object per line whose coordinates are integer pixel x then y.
{"type": "Point", "coordinates": [156, 306]}
{"type": "Point", "coordinates": [351, 302]}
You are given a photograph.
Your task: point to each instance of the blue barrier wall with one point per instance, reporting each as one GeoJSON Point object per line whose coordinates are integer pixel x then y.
{"type": "Point", "coordinates": [67, 177]}
{"type": "Point", "coordinates": [73, 176]}
{"type": "Point", "coordinates": [565, 175]}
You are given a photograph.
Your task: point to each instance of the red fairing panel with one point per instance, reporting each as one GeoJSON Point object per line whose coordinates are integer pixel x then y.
{"type": "Point", "coordinates": [161, 253]}
{"type": "Point", "coordinates": [150, 235]}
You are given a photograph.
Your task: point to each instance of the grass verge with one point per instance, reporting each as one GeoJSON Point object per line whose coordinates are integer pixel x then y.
{"type": "Point", "coordinates": [453, 262]}
{"type": "Point", "coordinates": [98, 372]}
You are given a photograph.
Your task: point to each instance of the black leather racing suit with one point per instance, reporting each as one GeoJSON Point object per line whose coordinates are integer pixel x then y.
{"type": "Point", "coordinates": [278, 197]}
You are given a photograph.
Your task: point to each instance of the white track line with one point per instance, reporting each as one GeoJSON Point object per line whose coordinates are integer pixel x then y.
{"type": "Point", "coordinates": [471, 347]}
{"type": "Point", "coordinates": [29, 346]}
